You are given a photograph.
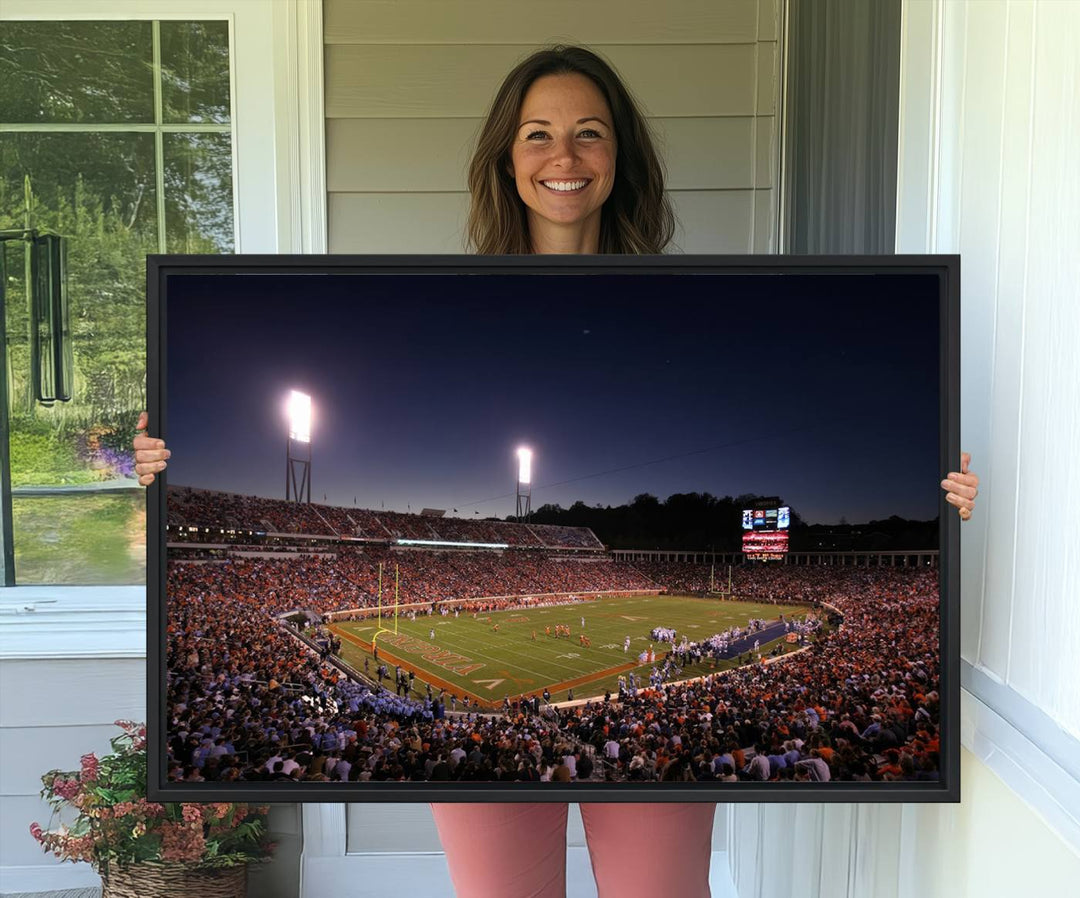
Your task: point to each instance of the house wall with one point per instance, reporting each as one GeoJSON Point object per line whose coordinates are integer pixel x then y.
{"type": "Point", "coordinates": [408, 83]}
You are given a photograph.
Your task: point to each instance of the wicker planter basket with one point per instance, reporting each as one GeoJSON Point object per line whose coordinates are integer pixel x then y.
{"type": "Point", "coordinates": [174, 881]}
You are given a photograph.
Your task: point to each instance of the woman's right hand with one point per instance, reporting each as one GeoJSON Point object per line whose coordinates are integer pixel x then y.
{"type": "Point", "coordinates": [150, 453]}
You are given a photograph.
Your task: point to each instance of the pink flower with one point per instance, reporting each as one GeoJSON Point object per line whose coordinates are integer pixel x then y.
{"type": "Point", "coordinates": [37, 832]}
{"type": "Point", "coordinates": [150, 808]}
{"type": "Point", "coordinates": [192, 813]}
{"type": "Point", "coordinates": [89, 768]}
{"type": "Point", "coordinates": [65, 788]}
{"type": "Point", "coordinates": [221, 809]}
{"type": "Point", "coordinates": [181, 842]}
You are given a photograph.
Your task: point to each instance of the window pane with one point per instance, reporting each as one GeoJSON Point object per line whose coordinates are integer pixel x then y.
{"type": "Point", "coordinates": [76, 72]}
{"type": "Point", "coordinates": [81, 539]}
{"type": "Point", "coordinates": [195, 72]}
{"type": "Point", "coordinates": [198, 193]}
{"type": "Point", "coordinates": [98, 191]}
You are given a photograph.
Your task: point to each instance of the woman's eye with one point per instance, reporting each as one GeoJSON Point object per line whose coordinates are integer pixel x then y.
{"type": "Point", "coordinates": [589, 132]}
{"type": "Point", "coordinates": [536, 135]}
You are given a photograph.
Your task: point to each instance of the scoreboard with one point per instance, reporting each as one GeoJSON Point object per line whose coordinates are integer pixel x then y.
{"type": "Point", "coordinates": [765, 519]}
{"type": "Point", "coordinates": [765, 532]}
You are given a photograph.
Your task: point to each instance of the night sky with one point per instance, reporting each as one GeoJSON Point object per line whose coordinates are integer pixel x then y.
{"type": "Point", "coordinates": [820, 389]}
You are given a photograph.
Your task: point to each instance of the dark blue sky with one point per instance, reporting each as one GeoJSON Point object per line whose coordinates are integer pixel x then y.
{"type": "Point", "coordinates": [820, 389]}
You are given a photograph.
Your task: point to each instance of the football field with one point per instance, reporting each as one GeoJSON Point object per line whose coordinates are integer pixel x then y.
{"type": "Point", "coordinates": [468, 656]}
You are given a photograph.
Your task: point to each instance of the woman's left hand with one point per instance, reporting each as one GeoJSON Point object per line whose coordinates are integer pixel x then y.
{"type": "Point", "coordinates": [961, 487]}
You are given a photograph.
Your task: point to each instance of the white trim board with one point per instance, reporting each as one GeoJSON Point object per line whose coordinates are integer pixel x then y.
{"type": "Point", "coordinates": [1050, 788]}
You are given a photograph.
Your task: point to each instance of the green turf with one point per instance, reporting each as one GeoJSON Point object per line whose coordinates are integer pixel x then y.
{"type": "Point", "coordinates": [511, 663]}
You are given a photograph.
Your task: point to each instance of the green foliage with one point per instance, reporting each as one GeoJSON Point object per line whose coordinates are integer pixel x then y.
{"type": "Point", "coordinates": [115, 824]}
{"type": "Point", "coordinates": [41, 458]}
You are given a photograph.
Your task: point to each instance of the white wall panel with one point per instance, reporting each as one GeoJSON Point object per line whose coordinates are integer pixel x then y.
{"type": "Point", "coordinates": [397, 222]}
{"type": "Point", "coordinates": [982, 86]}
{"type": "Point", "coordinates": [408, 82]}
{"type": "Point", "coordinates": [28, 752]}
{"type": "Point", "coordinates": [1006, 196]}
{"type": "Point", "coordinates": [72, 693]}
{"type": "Point", "coordinates": [1045, 619]}
{"type": "Point", "coordinates": [393, 154]}
{"type": "Point", "coordinates": [458, 80]}
{"type": "Point", "coordinates": [518, 22]}
{"type": "Point", "coordinates": [713, 221]}
{"type": "Point", "coordinates": [391, 827]}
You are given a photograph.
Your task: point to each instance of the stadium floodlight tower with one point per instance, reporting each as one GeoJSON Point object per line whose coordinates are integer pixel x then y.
{"type": "Point", "coordinates": [524, 484]}
{"type": "Point", "coordinates": [299, 433]}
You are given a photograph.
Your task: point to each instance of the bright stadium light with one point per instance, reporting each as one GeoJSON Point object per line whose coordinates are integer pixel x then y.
{"type": "Point", "coordinates": [524, 465]}
{"type": "Point", "coordinates": [524, 484]}
{"type": "Point", "coordinates": [299, 417]}
{"type": "Point", "coordinates": [297, 446]}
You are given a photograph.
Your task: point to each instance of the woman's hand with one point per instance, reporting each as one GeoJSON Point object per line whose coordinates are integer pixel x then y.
{"type": "Point", "coordinates": [150, 453]}
{"type": "Point", "coordinates": [961, 487]}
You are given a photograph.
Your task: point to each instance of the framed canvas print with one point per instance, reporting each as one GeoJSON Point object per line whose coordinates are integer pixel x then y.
{"type": "Point", "coordinates": [554, 528]}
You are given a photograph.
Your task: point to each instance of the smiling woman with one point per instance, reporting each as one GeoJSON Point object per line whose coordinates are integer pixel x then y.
{"type": "Point", "coordinates": [563, 162]}
{"type": "Point", "coordinates": [563, 117]}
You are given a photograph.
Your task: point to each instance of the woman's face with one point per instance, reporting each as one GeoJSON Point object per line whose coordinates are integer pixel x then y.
{"type": "Point", "coordinates": [563, 154]}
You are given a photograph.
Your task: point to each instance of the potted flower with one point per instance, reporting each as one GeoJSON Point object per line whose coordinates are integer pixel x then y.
{"type": "Point", "coordinates": [142, 848]}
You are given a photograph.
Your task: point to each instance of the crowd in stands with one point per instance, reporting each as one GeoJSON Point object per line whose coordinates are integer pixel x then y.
{"type": "Point", "coordinates": [863, 704]}
{"type": "Point", "coordinates": [247, 700]}
{"type": "Point", "coordinates": [189, 507]}
{"type": "Point", "coordinates": [683, 576]}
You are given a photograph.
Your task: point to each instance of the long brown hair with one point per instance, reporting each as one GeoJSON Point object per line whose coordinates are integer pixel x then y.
{"type": "Point", "coordinates": [637, 216]}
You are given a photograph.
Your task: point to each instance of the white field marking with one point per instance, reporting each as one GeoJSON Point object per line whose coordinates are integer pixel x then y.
{"type": "Point", "coordinates": [532, 656]}
{"type": "Point", "coordinates": [609, 645]}
{"type": "Point", "coordinates": [629, 618]}
{"type": "Point", "coordinates": [642, 639]}
{"type": "Point", "coordinates": [505, 643]}
{"type": "Point", "coordinates": [569, 655]}
{"type": "Point", "coordinates": [493, 683]}
{"type": "Point", "coordinates": [472, 653]}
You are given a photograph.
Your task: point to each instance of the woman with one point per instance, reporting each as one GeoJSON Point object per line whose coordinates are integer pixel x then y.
{"type": "Point", "coordinates": [565, 164]}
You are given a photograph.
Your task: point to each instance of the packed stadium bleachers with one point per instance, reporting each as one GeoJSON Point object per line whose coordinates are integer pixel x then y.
{"type": "Point", "coordinates": [249, 700]}
{"type": "Point", "coordinates": [190, 507]}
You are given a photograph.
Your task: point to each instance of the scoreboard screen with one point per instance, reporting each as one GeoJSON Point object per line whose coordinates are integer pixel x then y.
{"type": "Point", "coordinates": [766, 519]}
{"type": "Point", "coordinates": [766, 545]}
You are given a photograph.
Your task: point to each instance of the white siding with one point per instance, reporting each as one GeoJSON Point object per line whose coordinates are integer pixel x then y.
{"type": "Point", "coordinates": [407, 85]}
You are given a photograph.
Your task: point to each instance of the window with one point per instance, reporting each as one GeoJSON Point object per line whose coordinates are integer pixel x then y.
{"type": "Point", "coordinates": [116, 135]}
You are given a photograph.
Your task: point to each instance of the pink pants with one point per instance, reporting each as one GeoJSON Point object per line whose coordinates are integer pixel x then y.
{"type": "Point", "coordinates": [519, 850]}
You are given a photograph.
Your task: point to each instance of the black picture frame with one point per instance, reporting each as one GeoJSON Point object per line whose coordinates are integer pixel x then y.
{"type": "Point", "coordinates": [162, 270]}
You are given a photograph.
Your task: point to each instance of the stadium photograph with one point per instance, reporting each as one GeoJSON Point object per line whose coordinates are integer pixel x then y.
{"type": "Point", "coordinates": [578, 528]}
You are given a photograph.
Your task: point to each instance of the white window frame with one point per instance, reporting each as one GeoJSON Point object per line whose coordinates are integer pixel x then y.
{"type": "Point", "coordinates": [279, 199]}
